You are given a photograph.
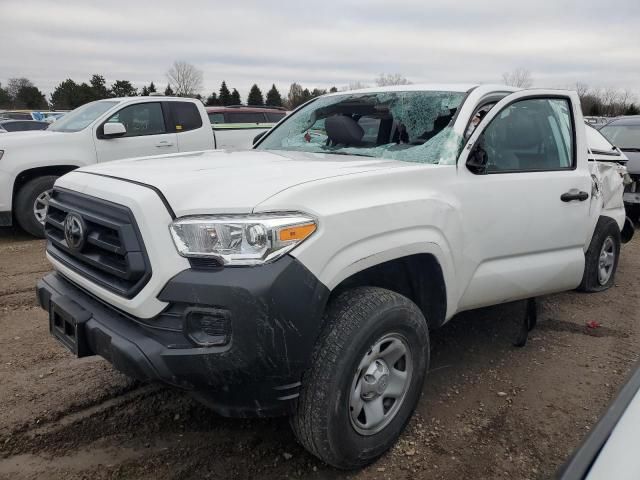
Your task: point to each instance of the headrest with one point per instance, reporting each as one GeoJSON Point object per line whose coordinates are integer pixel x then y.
{"type": "Point", "coordinates": [343, 130]}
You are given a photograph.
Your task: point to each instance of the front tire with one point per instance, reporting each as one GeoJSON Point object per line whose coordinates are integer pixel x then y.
{"type": "Point", "coordinates": [366, 378]}
{"type": "Point", "coordinates": [31, 204]}
{"type": "Point", "coordinates": [601, 259]}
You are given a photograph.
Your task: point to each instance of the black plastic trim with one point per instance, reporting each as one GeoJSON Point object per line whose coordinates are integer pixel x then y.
{"type": "Point", "coordinates": [578, 465]}
{"type": "Point", "coordinates": [151, 187]}
{"type": "Point", "coordinates": [6, 219]}
{"type": "Point", "coordinates": [125, 280]}
{"type": "Point", "coordinates": [274, 314]}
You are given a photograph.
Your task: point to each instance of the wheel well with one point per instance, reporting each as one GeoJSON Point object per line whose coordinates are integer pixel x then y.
{"type": "Point", "coordinates": [417, 277]}
{"type": "Point", "coordinates": [32, 173]}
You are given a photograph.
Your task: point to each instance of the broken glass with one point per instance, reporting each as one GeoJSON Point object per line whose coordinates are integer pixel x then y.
{"type": "Point", "coordinates": [411, 126]}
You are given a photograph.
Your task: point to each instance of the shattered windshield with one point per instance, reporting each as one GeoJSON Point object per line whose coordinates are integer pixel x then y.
{"type": "Point", "coordinates": [406, 126]}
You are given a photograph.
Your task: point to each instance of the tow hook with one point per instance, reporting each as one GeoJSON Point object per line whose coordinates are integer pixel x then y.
{"type": "Point", "coordinates": [627, 231]}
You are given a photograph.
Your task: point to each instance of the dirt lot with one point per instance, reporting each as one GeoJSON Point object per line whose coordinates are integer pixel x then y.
{"type": "Point", "coordinates": [489, 410]}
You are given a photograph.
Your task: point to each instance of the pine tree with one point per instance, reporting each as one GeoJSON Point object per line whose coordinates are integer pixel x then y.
{"type": "Point", "coordinates": [212, 100]}
{"type": "Point", "coordinates": [273, 97]}
{"type": "Point", "coordinates": [168, 92]}
{"type": "Point", "coordinates": [225, 95]}
{"type": "Point", "coordinates": [144, 92]}
{"type": "Point", "coordinates": [255, 96]}
{"type": "Point", "coordinates": [152, 88]}
{"type": "Point", "coordinates": [235, 97]}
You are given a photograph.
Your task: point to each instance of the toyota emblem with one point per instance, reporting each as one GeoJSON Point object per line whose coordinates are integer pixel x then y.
{"type": "Point", "coordinates": [74, 231]}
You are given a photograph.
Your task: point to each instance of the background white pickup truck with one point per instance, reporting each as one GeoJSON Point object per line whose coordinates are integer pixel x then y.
{"type": "Point", "coordinates": [101, 131]}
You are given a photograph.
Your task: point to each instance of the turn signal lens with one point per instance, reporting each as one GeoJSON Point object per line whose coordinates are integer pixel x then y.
{"type": "Point", "coordinates": [297, 233]}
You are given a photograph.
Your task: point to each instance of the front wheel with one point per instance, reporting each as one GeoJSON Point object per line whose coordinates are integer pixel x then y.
{"type": "Point", "coordinates": [32, 203]}
{"type": "Point", "coordinates": [366, 378]}
{"type": "Point", "coordinates": [601, 259]}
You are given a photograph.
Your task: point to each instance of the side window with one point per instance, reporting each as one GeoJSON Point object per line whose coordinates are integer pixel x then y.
{"type": "Point", "coordinates": [141, 119]}
{"type": "Point", "coordinates": [186, 116]}
{"type": "Point", "coordinates": [274, 117]}
{"type": "Point", "coordinates": [216, 118]}
{"type": "Point", "coordinates": [530, 135]}
{"type": "Point", "coordinates": [244, 117]}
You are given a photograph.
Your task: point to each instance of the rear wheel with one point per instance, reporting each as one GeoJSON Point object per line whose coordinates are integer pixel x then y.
{"type": "Point", "coordinates": [366, 378]}
{"type": "Point", "coordinates": [32, 203]}
{"type": "Point", "coordinates": [601, 259]}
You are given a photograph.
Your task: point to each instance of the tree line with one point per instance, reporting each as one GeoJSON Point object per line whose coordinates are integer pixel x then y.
{"type": "Point", "coordinates": [185, 80]}
{"type": "Point", "coordinates": [20, 93]}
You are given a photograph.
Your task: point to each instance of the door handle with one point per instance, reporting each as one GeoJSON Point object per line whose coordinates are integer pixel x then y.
{"type": "Point", "coordinates": [164, 144]}
{"type": "Point", "coordinates": [574, 194]}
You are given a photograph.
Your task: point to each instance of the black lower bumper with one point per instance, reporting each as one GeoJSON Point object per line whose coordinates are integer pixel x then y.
{"type": "Point", "coordinates": [6, 219]}
{"type": "Point", "coordinates": [274, 317]}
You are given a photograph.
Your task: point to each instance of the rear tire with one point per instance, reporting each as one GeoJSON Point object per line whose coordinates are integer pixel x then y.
{"type": "Point", "coordinates": [357, 397]}
{"type": "Point", "coordinates": [601, 259]}
{"type": "Point", "coordinates": [25, 208]}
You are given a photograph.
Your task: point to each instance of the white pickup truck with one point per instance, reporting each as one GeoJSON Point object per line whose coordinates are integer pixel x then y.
{"type": "Point", "coordinates": [100, 131]}
{"type": "Point", "coordinates": [303, 277]}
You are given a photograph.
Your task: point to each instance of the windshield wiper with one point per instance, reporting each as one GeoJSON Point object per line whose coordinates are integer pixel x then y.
{"type": "Point", "coordinates": [351, 154]}
{"type": "Point", "coordinates": [630, 149]}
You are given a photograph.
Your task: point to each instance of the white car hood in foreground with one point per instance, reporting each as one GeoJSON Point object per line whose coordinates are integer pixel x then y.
{"type": "Point", "coordinates": [233, 182]}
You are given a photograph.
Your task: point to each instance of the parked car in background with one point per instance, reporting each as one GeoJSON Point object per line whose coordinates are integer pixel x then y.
{"type": "Point", "coordinates": [236, 126]}
{"type": "Point", "coordinates": [22, 125]}
{"type": "Point", "coordinates": [610, 450]}
{"type": "Point", "coordinates": [596, 121]}
{"type": "Point", "coordinates": [624, 133]}
{"type": "Point", "coordinates": [47, 116]}
{"type": "Point", "coordinates": [303, 277]}
{"type": "Point", "coordinates": [112, 129]}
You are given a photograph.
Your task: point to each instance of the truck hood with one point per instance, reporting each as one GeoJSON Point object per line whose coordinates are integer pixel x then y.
{"type": "Point", "coordinates": [30, 138]}
{"type": "Point", "coordinates": [219, 181]}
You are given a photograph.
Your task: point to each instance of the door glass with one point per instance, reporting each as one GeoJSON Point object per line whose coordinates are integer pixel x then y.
{"type": "Point", "coordinates": [216, 118]}
{"type": "Point", "coordinates": [186, 116]}
{"type": "Point", "coordinates": [245, 117]}
{"type": "Point", "coordinates": [141, 119]}
{"type": "Point", "coordinates": [530, 135]}
{"type": "Point", "coordinates": [274, 117]}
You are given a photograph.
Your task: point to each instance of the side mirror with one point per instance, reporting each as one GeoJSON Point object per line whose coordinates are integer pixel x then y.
{"type": "Point", "coordinates": [477, 160]}
{"type": "Point", "coordinates": [258, 137]}
{"type": "Point", "coordinates": [113, 130]}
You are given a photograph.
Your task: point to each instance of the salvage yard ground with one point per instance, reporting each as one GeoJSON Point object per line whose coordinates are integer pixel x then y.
{"type": "Point", "coordinates": [489, 410]}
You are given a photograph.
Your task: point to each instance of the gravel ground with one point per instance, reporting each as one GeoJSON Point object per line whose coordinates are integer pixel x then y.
{"type": "Point", "coordinates": [489, 410]}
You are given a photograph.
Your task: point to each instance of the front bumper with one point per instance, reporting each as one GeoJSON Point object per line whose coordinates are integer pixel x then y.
{"type": "Point", "coordinates": [275, 314]}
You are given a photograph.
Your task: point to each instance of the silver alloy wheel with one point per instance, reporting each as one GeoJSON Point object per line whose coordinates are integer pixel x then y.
{"type": "Point", "coordinates": [380, 384]}
{"type": "Point", "coordinates": [41, 205]}
{"type": "Point", "coordinates": [606, 260]}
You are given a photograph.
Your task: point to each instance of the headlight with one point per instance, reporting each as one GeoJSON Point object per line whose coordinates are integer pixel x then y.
{"type": "Point", "coordinates": [241, 240]}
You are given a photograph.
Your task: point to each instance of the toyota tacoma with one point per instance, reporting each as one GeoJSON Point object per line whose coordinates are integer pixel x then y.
{"type": "Point", "coordinates": [303, 277]}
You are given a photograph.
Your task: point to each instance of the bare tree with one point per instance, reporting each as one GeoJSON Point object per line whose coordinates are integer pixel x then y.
{"type": "Point", "coordinates": [15, 84]}
{"type": "Point", "coordinates": [386, 79]}
{"type": "Point", "coordinates": [185, 79]}
{"type": "Point", "coordinates": [520, 77]}
{"type": "Point", "coordinates": [582, 89]}
{"type": "Point", "coordinates": [357, 85]}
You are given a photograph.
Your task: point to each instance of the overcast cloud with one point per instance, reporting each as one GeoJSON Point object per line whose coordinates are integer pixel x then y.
{"type": "Point", "coordinates": [322, 43]}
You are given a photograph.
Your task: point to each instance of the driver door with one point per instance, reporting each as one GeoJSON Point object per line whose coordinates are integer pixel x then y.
{"type": "Point", "coordinates": [524, 189]}
{"type": "Point", "coordinates": [147, 133]}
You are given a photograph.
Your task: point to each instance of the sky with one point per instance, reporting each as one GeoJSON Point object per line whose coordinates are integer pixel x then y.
{"type": "Point", "coordinates": [322, 43]}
